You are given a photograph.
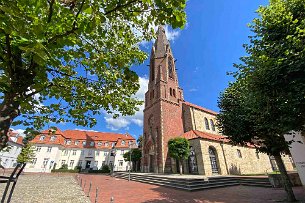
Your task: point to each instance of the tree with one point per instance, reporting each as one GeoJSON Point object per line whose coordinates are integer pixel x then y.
{"type": "Point", "coordinates": [267, 99]}
{"type": "Point", "coordinates": [27, 152]}
{"type": "Point", "coordinates": [66, 60]}
{"type": "Point", "coordinates": [179, 148]}
{"type": "Point", "coordinates": [135, 156]}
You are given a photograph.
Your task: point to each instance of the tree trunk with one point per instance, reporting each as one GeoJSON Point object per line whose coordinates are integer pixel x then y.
{"type": "Point", "coordinates": [9, 110]}
{"type": "Point", "coordinates": [285, 179]}
{"type": "Point", "coordinates": [180, 166]}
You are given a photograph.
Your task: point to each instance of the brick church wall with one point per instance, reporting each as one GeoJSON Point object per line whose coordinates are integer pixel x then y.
{"type": "Point", "coordinates": [247, 164]}
{"type": "Point", "coordinates": [194, 119]}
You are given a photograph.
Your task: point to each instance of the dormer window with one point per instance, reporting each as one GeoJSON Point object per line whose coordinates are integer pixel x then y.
{"type": "Point", "coordinates": [76, 142]}
{"type": "Point", "coordinates": [130, 143]}
{"type": "Point", "coordinates": [84, 143]}
{"type": "Point", "coordinates": [92, 144]}
{"type": "Point", "coordinates": [99, 144]}
{"type": "Point", "coordinates": [123, 142]}
{"type": "Point", "coordinates": [42, 137]}
{"type": "Point", "coordinates": [106, 144]}
{"type": "Point", "coordinates": [113, 144]}
{"type": "Point", "coordinates": [53, 138]}
{"type": "Point", "coordinates": [68, 142]}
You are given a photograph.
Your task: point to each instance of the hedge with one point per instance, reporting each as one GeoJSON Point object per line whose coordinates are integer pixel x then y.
{"type": "Point", "coordinates": [65, 170]}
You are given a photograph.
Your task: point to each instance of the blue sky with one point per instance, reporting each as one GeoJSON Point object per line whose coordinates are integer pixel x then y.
{"type": "Point", "coordinates": [205, 51]}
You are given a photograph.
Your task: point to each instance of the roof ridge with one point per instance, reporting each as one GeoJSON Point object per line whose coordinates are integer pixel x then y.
{"type": "Point", "coordinates": [200, 107]}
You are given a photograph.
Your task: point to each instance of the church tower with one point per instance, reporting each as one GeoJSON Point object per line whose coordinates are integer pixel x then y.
{"type": "Point", "coordinates": [163, 108]}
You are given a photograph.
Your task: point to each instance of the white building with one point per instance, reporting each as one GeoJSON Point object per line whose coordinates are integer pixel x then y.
{"type": "Point", "coordinates": [87, 149]}
{"type": "Point", "coordinates": [9, 156]}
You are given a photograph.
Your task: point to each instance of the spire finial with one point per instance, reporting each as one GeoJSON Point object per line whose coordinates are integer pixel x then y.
{"type": "Point", "coordinates": [161, 43]}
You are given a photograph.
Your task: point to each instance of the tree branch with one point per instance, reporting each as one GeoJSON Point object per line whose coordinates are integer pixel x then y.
{"type": "Point", "coordinates": [37, 91]}
{"type": "Point", "coordinates": [120, 6]}
{"type": "Point", "coordinates": [51, 2]}
{"type": "Point", "coordinates": [72, 30]}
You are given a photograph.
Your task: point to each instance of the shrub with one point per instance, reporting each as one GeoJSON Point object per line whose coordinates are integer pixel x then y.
{"type": "Point", "coordinates": [105, 169]}
{"type": "Point", "coordinates": [64, 166]}
{"type": "Point", "coordinates": [79, 168]}
{"type": "Point", "coordinates": [65, 170]}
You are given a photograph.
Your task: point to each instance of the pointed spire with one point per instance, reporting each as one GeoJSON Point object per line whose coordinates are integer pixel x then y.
{"type": "Point", "coordinates": [161, 44]}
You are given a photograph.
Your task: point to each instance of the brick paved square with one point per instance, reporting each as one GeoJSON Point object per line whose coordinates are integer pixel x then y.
{"type": "Point", "coordinates": [135, 192]}
{"type": "Point", "coordinates": [47, 188]}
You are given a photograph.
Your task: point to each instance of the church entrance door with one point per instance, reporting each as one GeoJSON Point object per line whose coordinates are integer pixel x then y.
{"type": "Point", "coordinates": [213, 160]}
{"type": "Point", "coordinates": [151, 163]}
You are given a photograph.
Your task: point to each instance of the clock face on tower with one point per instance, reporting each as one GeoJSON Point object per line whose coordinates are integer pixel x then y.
{"type": "Point", "coordinates": [170, 67]}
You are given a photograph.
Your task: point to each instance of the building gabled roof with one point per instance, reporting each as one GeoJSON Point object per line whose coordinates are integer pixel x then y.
{"type": "Point", "coordinates": [200, 108]}
{"type": "Point", "coordinates": [53, 131]}
{"type": "Point", "coordinates": [84, 139]}
{"type": "Point", "coordinates": [15, 137]}
{"type": "Point", "coordinates": [193, 134]}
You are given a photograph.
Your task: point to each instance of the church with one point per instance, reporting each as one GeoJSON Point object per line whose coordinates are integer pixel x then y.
{"type": "Point", "coordinates": [168, 115]}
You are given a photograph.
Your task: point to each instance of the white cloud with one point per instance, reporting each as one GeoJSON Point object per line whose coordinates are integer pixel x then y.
{"type": "Point", "coordinates": [20, 132]}
{"type": "Point", "coordinates": [137, 118]}
{"type": "Point", "coordinates": [116, 123]}
{"type": "Point", "coordinates": [81, 129]}
{"type": "Point", "coordinates": [171, 35]}
{"type": "Point", "coordinates": [193, 90]}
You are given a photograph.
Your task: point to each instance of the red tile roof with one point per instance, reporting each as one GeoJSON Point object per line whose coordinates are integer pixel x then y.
{"type": "Point", "coordinates": [200, 108]}
{"type": "Point", "coordinates": [15, 137]}
{"type": "Point", "coordinates": [68, 138]}
{"type": "Point", "coordinates": [193, 134]}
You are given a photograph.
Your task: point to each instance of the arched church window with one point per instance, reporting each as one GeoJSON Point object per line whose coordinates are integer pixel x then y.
{"type": "Point", "coordinates": [212, 124]}
{"type": "Point", "coordinates": [170, 67]}
{"type": "Point", "coordinates": [170, 91]}
{"type": "Point", "coordinates": [207, 126]}
{"type": "Point", "coordinates": [174, 92]}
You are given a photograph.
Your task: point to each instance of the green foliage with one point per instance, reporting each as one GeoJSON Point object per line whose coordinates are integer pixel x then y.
{"type": "Point", "coordinates": [105, 169]}
{"type": "Point", "coordinates": [27, 154]}
{"type": "Point", "coordinates": [64, 170]}
{"type": "Point", "coordinates": [64, 166]}
{"type": "Point", "coordinates": [267, 99]}
{"type": "Point", "coordinates": [79, 168]}
{"type": "Point", "coordinates": [179, 148]}
{"type": "Point", "coordinates": [136, 155]}
{"type": "Point", "coordinates": [77, 52]}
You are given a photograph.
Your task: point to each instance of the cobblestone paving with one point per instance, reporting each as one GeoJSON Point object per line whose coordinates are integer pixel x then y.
{"type": "Point", "coordinates": [47, 188]}
{"type": "Point", "coordinates": [134, 192]}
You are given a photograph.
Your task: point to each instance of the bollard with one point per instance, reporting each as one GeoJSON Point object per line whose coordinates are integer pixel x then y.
{"type": "Point", "coordinates": [96, 194]}
{"type": "Point", "coordinates": [111, 200]}
{"type": "Point", "coordinates": [89, 190]}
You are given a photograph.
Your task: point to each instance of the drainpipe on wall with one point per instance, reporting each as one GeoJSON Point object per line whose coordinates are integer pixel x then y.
{"type": "Point", "coordinates": [224, 156]}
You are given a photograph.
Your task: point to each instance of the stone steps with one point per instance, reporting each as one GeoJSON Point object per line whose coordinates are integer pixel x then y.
{"type": "Point", "coordinates": [195, 184]}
